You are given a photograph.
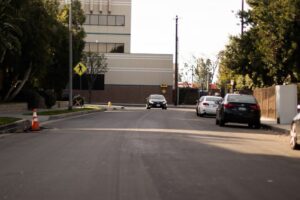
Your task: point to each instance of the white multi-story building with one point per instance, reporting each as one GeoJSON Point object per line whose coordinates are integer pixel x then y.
{"type": "Point", "coordinates": [131, 77]}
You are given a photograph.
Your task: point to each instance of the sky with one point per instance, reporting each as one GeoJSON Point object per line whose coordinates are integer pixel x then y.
{"type": "Point", "coordinates": [204, 26]}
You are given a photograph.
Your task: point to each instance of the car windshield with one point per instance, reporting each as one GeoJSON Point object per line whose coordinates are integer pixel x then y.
{"type": "Point", "coordinates": [215, 99]}
{"type": "Point", "coordinates": [157, 97]}
{"type": "Point", "coordinates": [241, 99]}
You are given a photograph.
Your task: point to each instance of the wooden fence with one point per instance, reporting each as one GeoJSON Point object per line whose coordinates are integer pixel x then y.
{"type": "Point", "coordinates": [266, 98]}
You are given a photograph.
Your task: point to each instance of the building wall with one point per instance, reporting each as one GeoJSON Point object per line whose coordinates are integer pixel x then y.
{"type": "Point", "coordinates": [132, 94]}
{"type": "Point", "coordinates": [109, 34]}
{"type": "Point", "coordinates": [133, 77]}
{"type": "Point", "coordinates": [130, 77]}
{"type": "Point", "coordinates": [139, 69]}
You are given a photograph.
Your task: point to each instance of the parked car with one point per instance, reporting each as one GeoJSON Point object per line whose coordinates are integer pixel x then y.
{"type": "Point", "coordinates": [239, 108]}
{"type": "Point", "coordinates": [295, 132]}
{"type": "Point", "coordinates": [207, 105]}
{"type": "Point", "coordinates": [156, 101]}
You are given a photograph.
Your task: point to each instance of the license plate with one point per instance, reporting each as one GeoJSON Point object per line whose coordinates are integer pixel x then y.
{"type": "Point", "coordinates": [242, 109]}
{"type": "Point", "coordinates": [157, 105]}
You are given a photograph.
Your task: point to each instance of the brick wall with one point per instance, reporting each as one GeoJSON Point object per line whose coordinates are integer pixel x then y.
{"type": "Point", "coordinates": [125, 94]}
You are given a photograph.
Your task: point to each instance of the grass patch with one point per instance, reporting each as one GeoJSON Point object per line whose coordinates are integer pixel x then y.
{"type": "Point", "coordinates": [7, 120]}
{"type": "Point", "coordinates": [58, 112]}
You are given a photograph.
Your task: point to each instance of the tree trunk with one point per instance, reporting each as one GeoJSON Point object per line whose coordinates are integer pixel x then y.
{"type": "Point", "coordinates": [15, 89]}
{"type": "Point", "coordinates": [90, 95]}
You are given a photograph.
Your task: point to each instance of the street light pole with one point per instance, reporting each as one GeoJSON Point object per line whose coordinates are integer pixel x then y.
{"type": "Point", "coordinates": [70, 59]}
{"type": "Point", "coordinates": [242, 19]}
{"type": "Point", "coordinates": [176, 64]}
{"type": "Point", "coordinates": [242, 34]}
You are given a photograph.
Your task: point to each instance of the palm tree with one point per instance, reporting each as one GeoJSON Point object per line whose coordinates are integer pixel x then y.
{"type": "Point", "coordinates": [9, 31]}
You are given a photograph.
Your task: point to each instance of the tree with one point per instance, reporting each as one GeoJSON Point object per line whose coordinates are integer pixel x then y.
{"type": "Point", "coordinates": [267, 52]}
{"type": "Point", "coordinates": [58, 68]}
{"type": "Point", "coordinates": [95, 65]}
{"type": "Point", "coordinates": [43, 58]}
{"type": "Point", "coordinates": [34, 47]}
{"type": "Point", "coordinates": [9, 30]}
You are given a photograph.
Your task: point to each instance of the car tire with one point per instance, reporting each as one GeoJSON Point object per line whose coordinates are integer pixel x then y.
{"type": "Point", "coordinates": [148, 108]}
{"type": "Point", "coordinates": [293, 137]}
{"type": "Point", "coordinates": [217, 122]}
{"type": "Point", "coordinates": [255, 125]}
{"type": "Point", "coordinates": [197, 112]}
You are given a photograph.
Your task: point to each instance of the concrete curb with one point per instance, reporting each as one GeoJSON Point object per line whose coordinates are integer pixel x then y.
{"type": "Point", "coordinates": [60, 116]}
{"type": "Point", "coordinates": [16, 127]}
{"type": "Point", "coordinates": [25, 125]}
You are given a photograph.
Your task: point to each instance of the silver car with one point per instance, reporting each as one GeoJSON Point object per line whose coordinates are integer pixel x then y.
{"type": "Point", "coordinates": [294, 133]}
{"type": "Point", "coordinates": [207, 105]}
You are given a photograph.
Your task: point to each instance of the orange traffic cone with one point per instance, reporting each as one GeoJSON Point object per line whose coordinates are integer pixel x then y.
{"type": "Point", "coordinates": [35, 126]}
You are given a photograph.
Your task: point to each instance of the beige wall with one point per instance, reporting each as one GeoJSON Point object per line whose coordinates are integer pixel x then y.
{"type": "Point", "coordinates": [139, 69]}
{"type": "Point", "coordinates": [109, 34]}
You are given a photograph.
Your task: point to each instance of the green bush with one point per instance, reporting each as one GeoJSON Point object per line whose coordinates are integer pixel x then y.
{"type": "Point", "coordinates": [50, 98]}
{"type": "Point", "coordinates": [32, 97]}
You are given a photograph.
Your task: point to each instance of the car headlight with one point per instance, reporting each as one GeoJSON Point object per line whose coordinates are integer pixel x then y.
{"type": "Point", "coordinates": [150, 101]}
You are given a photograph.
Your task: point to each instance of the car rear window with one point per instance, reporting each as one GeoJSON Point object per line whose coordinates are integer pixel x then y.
{"type": "Point", "coordinates": [213, 98]}
{"type": "Point", "coordinates": [241, 99]}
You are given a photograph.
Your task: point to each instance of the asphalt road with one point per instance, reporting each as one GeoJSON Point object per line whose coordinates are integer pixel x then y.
{"type": "Point", "coordinates": [139, 154]}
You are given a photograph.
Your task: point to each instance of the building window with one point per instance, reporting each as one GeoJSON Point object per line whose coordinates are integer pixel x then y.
{"type": "Point", "coordinates": [120, 20]}
{"type": "Point", "coordinates": [117, 48]}
{"type": "Point", "coordinates": [111, 20]}
{"type": "Point", "coordinates": [93, 47]}
{"type": "Point", "coordinates": [94, 19]}
{"type": "Point", "coordinates": [105, 20]}
{"type": "Point", "coordinates": [104, 47]}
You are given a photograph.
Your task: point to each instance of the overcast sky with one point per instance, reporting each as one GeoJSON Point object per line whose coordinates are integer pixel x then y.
{"type": "Point", "coordinates": [204, 26]}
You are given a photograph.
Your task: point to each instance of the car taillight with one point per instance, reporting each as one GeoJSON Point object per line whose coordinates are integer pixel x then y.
{"type": "Point", "coordinates": [255, 107]}
{"type": "Point", "coordinates": [205, 104]}
{"type": "Point", "coordinates": [229, 105]}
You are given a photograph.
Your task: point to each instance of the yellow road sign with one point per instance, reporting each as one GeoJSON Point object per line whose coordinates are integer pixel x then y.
{"type": "Point", "coordinates": [80, 69]}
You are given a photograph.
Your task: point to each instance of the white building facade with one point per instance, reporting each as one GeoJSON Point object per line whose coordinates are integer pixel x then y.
{"type": "Point", "coordinates": [130, 77]}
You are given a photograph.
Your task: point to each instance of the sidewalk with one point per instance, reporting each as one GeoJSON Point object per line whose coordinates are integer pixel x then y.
{"type": "Point", "coordinates": [272, 124]}
{"type": "Point", "coordinates": [24, 124]}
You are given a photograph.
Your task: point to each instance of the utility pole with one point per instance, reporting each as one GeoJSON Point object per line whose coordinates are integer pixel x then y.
{"type": "Point", "coordinates": [242, 19]}
{"type": "Point", "coordinates": [70, 59]}
{"type": "Point", "coordinates": [176, 64]}
{"type": "Point", "coordinates": [242, 34]}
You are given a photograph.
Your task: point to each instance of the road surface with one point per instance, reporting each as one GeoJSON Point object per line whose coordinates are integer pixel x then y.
{"type": "Point", "coordinates": [139, 154]}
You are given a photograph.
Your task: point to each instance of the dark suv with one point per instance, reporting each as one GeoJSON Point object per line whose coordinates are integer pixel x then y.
{"type": "Point", "coordinates": [239, 108]}
{"type": "Point", "coordinates": [156, 101]}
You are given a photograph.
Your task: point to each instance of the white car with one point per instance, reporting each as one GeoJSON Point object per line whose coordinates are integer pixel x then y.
{"type": "Point", "coordinates": [207, 105]}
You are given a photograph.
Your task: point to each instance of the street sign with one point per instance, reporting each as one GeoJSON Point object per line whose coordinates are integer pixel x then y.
{"type": "Point", "coordinates": [80, 69]}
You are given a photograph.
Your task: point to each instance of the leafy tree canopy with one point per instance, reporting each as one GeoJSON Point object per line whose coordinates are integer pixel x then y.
{"type": "Point", "coordinates": [267, 52]}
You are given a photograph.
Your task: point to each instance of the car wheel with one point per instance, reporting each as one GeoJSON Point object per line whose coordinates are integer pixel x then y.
{"type": "Point", "coordinates": [197, 112]}
{"type": "Point", "coordinates": [257, 125]}
{"type": "Point", "coordinates": [293, 137]}
{"type": "Point", "coordinates": [217, 122]}
{"type": "Point", "coordinates": [148, 107]}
